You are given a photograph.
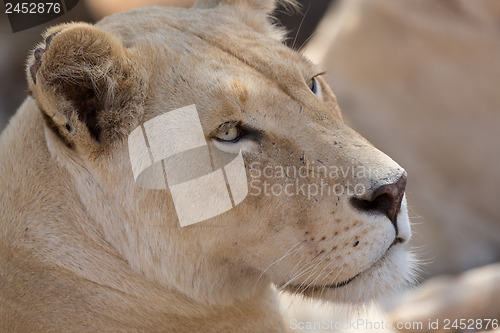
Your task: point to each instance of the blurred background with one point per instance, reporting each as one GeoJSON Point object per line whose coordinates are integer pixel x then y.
{"type": "Point", "coordinates": [420, 79]}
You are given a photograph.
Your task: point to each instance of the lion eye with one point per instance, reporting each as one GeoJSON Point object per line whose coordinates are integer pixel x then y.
{"type": "Point", "coordinates": [228, 133]}
{"type": "Point", "coordinates": [313, 85]}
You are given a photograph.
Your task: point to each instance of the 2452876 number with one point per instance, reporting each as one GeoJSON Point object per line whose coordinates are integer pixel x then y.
{"type": "Point", "coordinates": [470, 324]}
{"type": "Point", "coordinates": [33, 8]}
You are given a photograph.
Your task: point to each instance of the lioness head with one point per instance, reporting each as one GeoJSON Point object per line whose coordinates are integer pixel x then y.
{"type": "Point", "coordinates": [325, 213]}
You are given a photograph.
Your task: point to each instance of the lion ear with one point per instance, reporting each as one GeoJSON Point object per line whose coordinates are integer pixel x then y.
{"type": "Point", "coordinates": [266, 6]}
{"type": "Point", "coordinates": [84, 82]}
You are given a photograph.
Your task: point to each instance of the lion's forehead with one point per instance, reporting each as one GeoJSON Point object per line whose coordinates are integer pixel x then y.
{"type": "Point", "coordinates": [196, 32]}
{"type": "Point", "coordinates": [234, 66]}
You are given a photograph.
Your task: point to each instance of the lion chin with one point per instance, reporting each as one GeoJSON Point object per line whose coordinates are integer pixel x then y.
{"type": "Point", "coordinates": [380, 283]}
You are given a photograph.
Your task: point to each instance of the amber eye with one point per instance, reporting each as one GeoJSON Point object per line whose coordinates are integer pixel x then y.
{"type": "Point", "coordinates": [228, 132]}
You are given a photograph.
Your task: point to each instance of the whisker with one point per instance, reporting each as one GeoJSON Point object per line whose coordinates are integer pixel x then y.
{"type": "Point", "coordinates": [313, 281]}
{"type": "Point", "coordinates": [325, 286]}
{"type": "Point", "coordinates": [324, 268]}
{"type": "Point", "coordinates": [295, 295]}
{"type": "Point", "coordinates": [298, 275]}
{"type": "Point", "coordinates": [283, 257]}
{"type": "Point", "coordinates": [311, 272]}
{"type": "Point", "coordinates": [300, 26]}
{"type": "Point", "coordinates": [295, 267]}
{"type": "Point", "coordinates": [329, 275]}
{"type": "Point", "coordinates": [301, 50]}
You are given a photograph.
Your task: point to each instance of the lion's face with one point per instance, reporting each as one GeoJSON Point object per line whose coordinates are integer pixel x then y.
{"type": "Point", "coordinates": [325, 214]}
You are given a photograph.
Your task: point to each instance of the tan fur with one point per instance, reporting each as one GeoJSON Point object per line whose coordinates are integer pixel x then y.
{"type": "Point", "coordinates": [85, 249]}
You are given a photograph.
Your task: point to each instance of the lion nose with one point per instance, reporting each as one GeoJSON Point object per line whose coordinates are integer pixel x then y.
{"type": "Point", "coordinates": [385, 199]}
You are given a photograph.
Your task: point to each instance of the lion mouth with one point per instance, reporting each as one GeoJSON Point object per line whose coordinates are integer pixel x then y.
{"type": "Point", "coordinates": [343, 283]}
{"type": "Point", "coordinates": [328, 286]}
{"type": "Point", "coordinates": [346, 282]}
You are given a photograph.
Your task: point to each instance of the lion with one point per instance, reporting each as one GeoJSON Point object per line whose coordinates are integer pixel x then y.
{"type": "Point", "coordinates": [84, 248]}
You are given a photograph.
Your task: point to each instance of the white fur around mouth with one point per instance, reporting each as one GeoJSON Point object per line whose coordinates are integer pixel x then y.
{"type": "Point", "coordinates": [346, 282]}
